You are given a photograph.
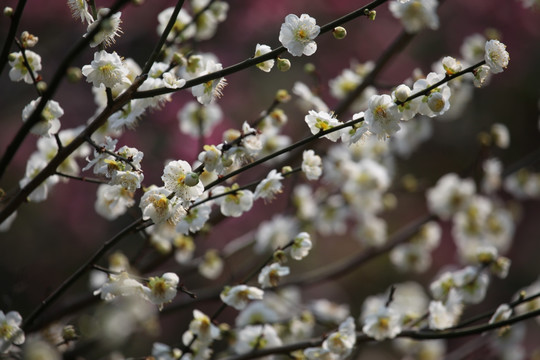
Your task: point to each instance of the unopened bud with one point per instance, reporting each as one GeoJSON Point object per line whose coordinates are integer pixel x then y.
{"type": "Point", "coordinates": [436, 102]}
{"type": "Point", "coordinates": [41, 86]}
{"type": "Point", "coordinates": [371, 14]}
{"type": "Point", "coordinates": [283, 64]}
{"type": "Point", "coordinates": [484, 138]}
{"type": "Point", "coordinates": [282, 96]}
{"type": "Point", "coordinates": [74, 74]}
{"type": "Point", "coordinates": [191, 179]}
{"type": "Point", "coordinates": [309, 68]}
{"type": "Point", "coordinates": [389, 201]}
{"type": "Point", "coordinates": [409, 182]}
{"type": "Point", "coordinates": [8, 11]}
{"type": "Point", "coordinates": [286, 169]}
{"type": "Point", "coordinates": [402, 93]}
{"type": "Point", "coordinates": [339, 32]}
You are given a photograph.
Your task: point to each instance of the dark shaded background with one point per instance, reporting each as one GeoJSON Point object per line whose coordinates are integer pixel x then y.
{"type": "Point", "coordinates": [51, 239]}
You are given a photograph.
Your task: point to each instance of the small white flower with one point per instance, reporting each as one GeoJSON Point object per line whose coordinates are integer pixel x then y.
{"type": "Point", "coordinates": [301, 246]}
{"type": "Point", "coordinates": [256, 337]}
{"type": "Point", "coordinates": [79, 8]}
{"type": "Point", "coordinates": [170, 81]}
{"type": "Point", "coordinates": [195, 118]}
{"type": "Point", "coordinates": [270, 186]}
{"type": "Point", "coordinates": [416, 14]}
{"type": "Point", "coordinates": [311, 165]}
{"type": "Point", "coordinates": [309, 99]}
{"type": "Point", "coordinates": [35, 164]}
{"type": "Point", "coordinates": [443, 316]}
{"type": "Point", "coordinates": [384, 324]}
{"type": "Point", "coordinates": [107, 69]}
{"type": "Point", "coordinates": [207, 92]}
{"type": "Point", "coordinates": [496, 56]}
{"type": "Point", "coordinates": [49, 123]}
{"type": "Point", "coordinates": [156, 205]}
{"type": "Point", "coordinates": [161, 289]}
{"type": "Point", "coordinates": [328, 311]}
{"type": "Point", "coordinates": [108, 28]}
{"type": "Point", "coordinates": [174, 178]}
{"type": "Point", "coordinates": [451, 65]}
{"type": "Point", "coordinates": [211, 265]}
{"type": "Point", "coordinates": [322, 121]}
{"type": "Point", "coordinates": [270, 275]}
{"type": "Point", "coordinates": [481, 75]}
{"type": "Point", "coordinates": [267, 65]}
{"type": "Point", "coordinates": [240, 295]}
{"type": "Point", "coordinates": [181, 25]}
{"type": "Point", "coordinates": [501, 135]}
{"type": "Point", "coordinates": [450, 195]}
{"type": "Point", "coordinates": [235, 203]}
{"type": "Point", "coordinates": [119, 285]}
{"type": "Point", "coordinates": [382, 116]}
{"type": "Point", "coordinates": [19, 71]}
{"type": "Point", "coordinates": [297, 34]}
{"type": "Point", "coordinates": [10, 331]}
{"type": "Point", "coordinates": [342, 341]}
{"type": "Point", "coordinates": [202, 326]}
{"type": "Point", "coordinates": [113, 201]}
{"type": "Point", "coordinates": [194, 219]}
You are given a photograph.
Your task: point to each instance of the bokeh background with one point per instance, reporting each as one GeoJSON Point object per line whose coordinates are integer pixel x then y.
{"type": "Point", "coordinates": [50, 240]}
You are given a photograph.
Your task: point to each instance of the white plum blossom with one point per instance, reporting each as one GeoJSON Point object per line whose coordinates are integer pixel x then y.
{"type": "Point", "coordinates": [297, 34]}
{"type": "Point", "coordinates": [79, 8]}
{"type": "Point", "coordinates": [270, 275]}
{"type": "Point", "coordinates": [119, 285]}
{"type": "Point", "coordinates": [211, 265]}
{"type": "Point", "coordinates": [194, 118]}
{"type": "Point", "coordinates": [311, 165]}
{"type": "Point", "coordinates": [113, 201]}
{"type": "Point", "coordinates": [235, 203]}
{"type": "Point", "coordinates": [35, 164]}
{"type": "Point", "coordinates": [194, 219]}
{"type": "Point", "coordinates": [416, 15]}
{"type": "Point", "coordinates": [175, 178]}
{"type": "Point", "coordinates": [269, 186]}
{"type": "Point", "coordinates": [207, 92]}
{"type": "Point", "coordinates": [180, 26]}
{"type": "Point", "coordinates": [161, 289]}
{"type": "Point", "coordinates": [202, 326]}
{"type": "Point", "coordinates": [107, 69]}
{"type": "Point", "coordinates": [322, 121]}
{"type": "Point", "coordinates": [501, 135]}
{"type": "Point", "coordinates": [19, 71]}
{"type": "Point", "coordinates": [257, 337]}
{"type": "Point", "coordinates": [162, 351]}
{"type": "Point", "coordinates": [481, 75]}
{"type": "Point", "coordinates": [267, 65]}
{"type": "Point", "coordinates": [341, 342]}
{"type": "Point", "coordinates": [156, 205]}
{"type": "Point", "coordinates": [49, 122]}
{"type": "Point", "coordinates": [240, 295]}
{"type": "Point", "coordinates": [301, 246]}
{"type": "Point", "coordinates": [382, 324]}
{"type": "Point", "coordinates": [496, 56]}
{"type": "Point", "coordinates": [450, 195]}
{"type": "Point", "coordinates": [109, 28]}
{"type": "Point", "coordinates": [382, 116]}
{"type": "Point", "coordinates": [10, 330]}
{"type": "Point", "coordinates": [328, 311]}
{"type": "Point", "coordinates": [445, 315]}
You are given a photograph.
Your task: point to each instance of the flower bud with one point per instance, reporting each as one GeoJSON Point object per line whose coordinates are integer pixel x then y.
{"type": "Point", "coordinates": [402, 93]}
{"type": "Point", "coordinates": [286, 169]}
{"type": "Point", "coordinates": [191, 179]}
{"type": "Point", "coordinates": [282, 96]}
{"type": "Point", "coordinates": [41, 86]}
{"type": "Point", "coordinates": [8, 11]}
{"type": "Point", "coordinates": [74, 74]}
{"type": "Point", "coordinates": [283, 64]}
{"type": "Point", "coordinates": [28, 40]}
{"type": "Point", "coordinates": [309, 68]}
{"type": "Point", "coordinates": [436, 102]}
{"type": "Point", "coordinates": [339, 32]}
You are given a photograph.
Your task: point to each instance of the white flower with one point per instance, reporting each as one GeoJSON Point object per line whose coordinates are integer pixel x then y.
{"type": "Point", "coordinates": [172, 82]}
{"type": "Point", "coordinates": [270, 186]}
{"type": "Point", "coordinates": [481, 75]}
{"type": "Point", "coordinates": [107, 69]}
{"type": "Point", "coordinates": [310, 100]}
{"type": "Point", "coordinates": [79, 8]}
{"type": "Point", "coordinates": [322, 121]}
{"type": "Point", "coordinates": [275, 233]}
{"type": "Point", "coordinates": [342, 341]}
{"type": "Point", "coordinates": [113, 201]}
{"type": "Point", "coordinates": [451, 65]}
{"type": "Point", "coordinates": [382, 116]}
{"type": "Point", "coordinates": [49, 123]}
{"type": "Point", "coordinates": [240, 295]}
{"type": "Point", "coordinates": [471, 284]}
{"type": "Point", "coordinates": [165, 352]}
{"type": "Point", "coordinates": [443, 316]}
{"type": "Point", "coordinates": [270, 275]}
{"type": "Point", "coordinates": [328, 311]}
{"type": "Point", "coordinates": [496, 56]}
{"type": "Point", "coordinates": [235, 203]}
{"type": "Point", "coordinates": [162, 289]}
{"type": "Point", "coordinates": [301, 246]}
{"type": "Point", "coordinates": [156, 205]}
{"type": "Point", "coordinates": [211, 265]}
{"type": "Point", "coordinates": [267, 65]}
{"type": "Point", "coordinates": [207, 92]}
{"type": "Point", "coordinates": [174, 177]}
{"type": "Point", "coordinates": [501, 135]}
{"type": "Point", "coordinates": [383, 324]}
{"type": "Point", "coordinates": [202, 326]}
{"type": "Point", "coordinates": [119, 285]}
{"type": "Point", "coordinates": [194, 219]}
{"type": "Point", "coordinates": [19, 71]}
{"type": "Point", "coordinates": [195, 119]}
{"type": "Point", "coordinates": [35, 164]}
{"type": "Point", "coordinates": [450, 195]}
{"type": "Point", "coordinates": [180, 25]}
{"type": "Point", "coordinates": [256, 337]}
{"type": "Point", "coordinates": [416, 14]}
{"type": "Point", "coordinates": [108, 28]}
{"type": "Point", "coordinates": [297, 34]}
{"type": "Point", "coordinates": [311, 165]}
{"type": "Point", "coordinates": [10, 331]}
